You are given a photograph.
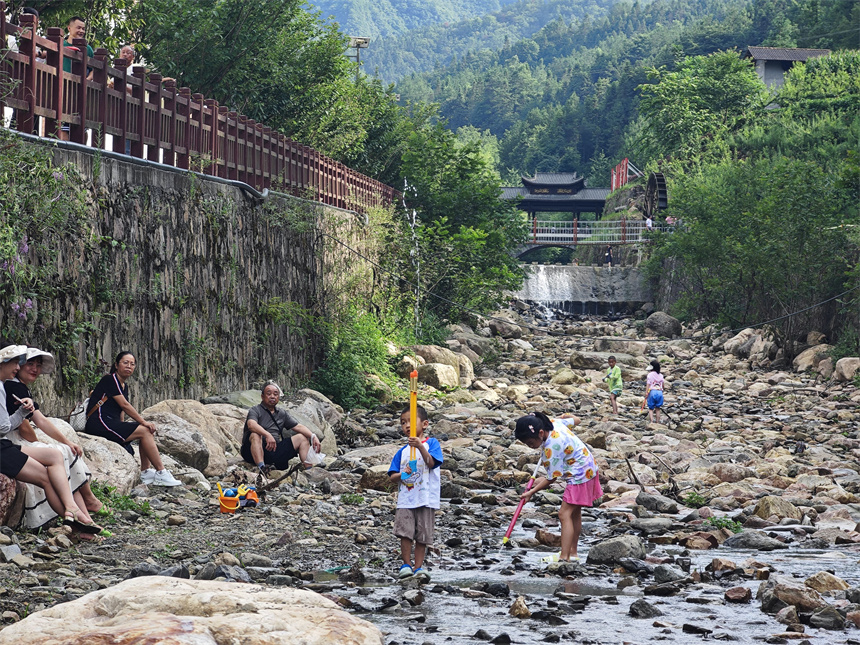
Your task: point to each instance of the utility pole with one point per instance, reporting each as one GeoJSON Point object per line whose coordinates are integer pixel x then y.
{"type": "Point", "coordinates": [357, 43]}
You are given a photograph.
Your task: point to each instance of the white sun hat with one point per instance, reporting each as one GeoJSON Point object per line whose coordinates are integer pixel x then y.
{"type": "Point", "coordinates": [48, 361]}
{"type": "Point", "coordinates": [11, 352]}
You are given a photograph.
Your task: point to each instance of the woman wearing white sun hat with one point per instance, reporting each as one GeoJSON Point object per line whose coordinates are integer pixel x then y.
{"type": "Point", "coordinates": [33, 465]}
{"type": "Point", "coordinates": [37, 511]}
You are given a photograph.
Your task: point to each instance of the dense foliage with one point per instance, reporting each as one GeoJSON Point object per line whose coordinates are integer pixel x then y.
{"type": "Point", "coordinates": [768, 197]}
{"type": "Point", "coordinates": [564, 98]}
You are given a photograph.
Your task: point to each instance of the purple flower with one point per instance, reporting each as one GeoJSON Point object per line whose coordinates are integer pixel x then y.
{"type": "Point", "coordinates": [15, 306]}
{"type": "Point", "coordinates": [28, 303]}
{"type": "Point", "coordinates": [23, 315]}
{"type": "Point", "coordinates": [58, 175]}
{"type": "Point", "coordinates": [24, 247]}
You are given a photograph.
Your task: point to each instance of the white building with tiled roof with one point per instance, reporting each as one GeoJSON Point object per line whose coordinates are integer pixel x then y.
{"type": "Point", "coordinates": [771, 63]}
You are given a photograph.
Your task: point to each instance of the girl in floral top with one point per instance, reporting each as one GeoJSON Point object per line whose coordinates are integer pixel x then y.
{"type": "Point", "coordinates": [563, 455]}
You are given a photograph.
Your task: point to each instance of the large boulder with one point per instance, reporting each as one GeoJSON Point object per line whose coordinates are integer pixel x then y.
{"type": "Point", "coordinates": [824, 581]}
{"type": "Point", "coordinates": [753, 540]}
{"type": "Point", "coordinates": [734, 344]}
{"type": "Point", "coordinates": [372, 456]}
{"type": "Point", "coordinates": [662, 324]}
{"type": "Point", "coordinates": [439, 375]}
{"type": "Point", "coordinates": [231, 418]}
{"type": "Point", "coordinates": [11, 501]}
{"type": "Point", "coordinates": [179, 439]}
{"type": "Point", "coordinates": [241, 398]}
{"type": "Point", "coordinates": [846, 368]}
{"type": "Point", "coordinates": [598, 360]}
{"type": "Point", "coordinates": [460, 362]}
{"type": "Point", "coordinates": [613, 550]}
{"type": "Point", "coordinates": [622, 345]}
{"type": "Point", "coordinates": [506, 329]}
{"type": "Point", "coordinates": [160, 609]}
{"type": "Point", "coordinates": [809, 359]}
{"type": "Point", "coordinates": [312, 414]}
{"type": "Point", "coordinates": [109, 462]}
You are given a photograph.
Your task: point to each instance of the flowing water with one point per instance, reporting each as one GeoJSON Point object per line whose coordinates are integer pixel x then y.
{"type": "Point", "coordinates": [591, 609]}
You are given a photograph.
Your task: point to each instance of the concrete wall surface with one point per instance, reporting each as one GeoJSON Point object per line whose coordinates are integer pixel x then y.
{"type": "Point", "coordinates": [585, 284]}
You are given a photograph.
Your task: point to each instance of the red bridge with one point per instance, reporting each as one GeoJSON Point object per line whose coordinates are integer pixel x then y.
{"type": "Point", "coordinates": [162, 123]}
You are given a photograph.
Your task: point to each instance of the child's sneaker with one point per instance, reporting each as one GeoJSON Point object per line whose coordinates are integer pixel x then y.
{"type": "Point", "coordinates": [405, 571]}
{"type": "Point", "coordinates": [422, 575]}
{"type": "Point", "coordinates": [550, 558]}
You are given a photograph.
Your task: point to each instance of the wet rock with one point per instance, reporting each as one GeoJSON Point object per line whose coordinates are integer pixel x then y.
{"type": "Point", "coordinates": [771, 505]}
{"type": "Point", "coordinates": [519, 609]}
{"type": "Point", "coordinates": [689, 628]}
{"type": "Point", "coordinates": [643, 609]}
{"type": "Point", "coordinates": [777, 592]}
{"type": "Point", "coordinates": [824, 581]}
{"type": "Point", "coordinates": [564, 568]}
{"type": "Point", "coordinates": [547, 538]}
{"type": "Point", "coordinates": [613, 550]}
{"type": "Point", "coordinates": [157, 609]}
{"type": "Point", "coordinates": [753, 540]}
{"type": "Point", "coordinates": [827, 618]}
{"type": "Point", "coordinates": [668, 573]}
{"type": "Point", "coordinates": [652, 525]}
{"type": "Point", "coordinates": [738, 594]}
{"type": "Point", "coordinates": [413, 597]}
{"type": "Point", "coordinates": [787, 615]}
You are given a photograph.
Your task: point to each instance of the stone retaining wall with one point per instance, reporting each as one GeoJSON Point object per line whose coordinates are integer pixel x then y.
{"type": "Point", "coordinates": [211, 288]}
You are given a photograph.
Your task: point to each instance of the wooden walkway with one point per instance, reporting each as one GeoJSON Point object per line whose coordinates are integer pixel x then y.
{"type": "Point", "coordinates": [160, 122]}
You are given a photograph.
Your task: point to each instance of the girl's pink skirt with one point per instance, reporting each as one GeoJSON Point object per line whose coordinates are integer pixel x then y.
{"type": "Point", "coordinates": [583, 494]}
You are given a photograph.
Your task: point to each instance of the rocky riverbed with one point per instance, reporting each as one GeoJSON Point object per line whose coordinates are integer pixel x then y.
{"type": "Point", "coordinates": [735, 520]}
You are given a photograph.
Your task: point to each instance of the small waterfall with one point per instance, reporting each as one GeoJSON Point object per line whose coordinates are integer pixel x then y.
{"type": "Point", "coordinates": [586, 290]}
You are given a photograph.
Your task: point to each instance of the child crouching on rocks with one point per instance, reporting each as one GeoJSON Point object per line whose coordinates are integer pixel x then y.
{"type": "Point", "coordinates": [564, 455]}
{"type": "Point", "coordinates": [415, 468]}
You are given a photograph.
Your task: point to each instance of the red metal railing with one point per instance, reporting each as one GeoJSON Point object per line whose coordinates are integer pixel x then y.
{"type": "Point", "coordinates": [162, 122]}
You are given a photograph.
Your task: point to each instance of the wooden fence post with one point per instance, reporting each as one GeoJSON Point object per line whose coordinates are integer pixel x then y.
{"type": "Point", "coordinates": [26, 121]}
{"type": "Point", "coordinates": [120, 85]}
{"type": "Point", "coordinates": [100, 81]}
{"type": "Point", "coordinates": [55, 59]}
{"type": "Point", "coordinates": [183, 106]}
{"type": "Point", "coordinates": [153, 152]}
{"type": "Point", "coordinates": [139, 92]}
{"type": "Point", "coordinates": [169, 156]}
{"type": "Point", "coordinates": [78, 131]}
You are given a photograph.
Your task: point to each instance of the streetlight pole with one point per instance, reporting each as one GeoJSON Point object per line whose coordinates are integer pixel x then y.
{"type": "Point", "coordinates": [357, 43]}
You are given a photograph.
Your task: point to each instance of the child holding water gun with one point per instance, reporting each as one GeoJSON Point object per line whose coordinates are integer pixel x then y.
{"type": "Point", "coordinates": [419, 494]}
{"type": "Point", "coordinates": [563, 455]}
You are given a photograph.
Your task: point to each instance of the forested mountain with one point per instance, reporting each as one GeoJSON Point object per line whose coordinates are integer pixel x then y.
{"type": "Point", "coordinates": [427, 48]}
{"type": "Point", "coordinates": [377, 18]}
{"type": "Point", "coordinates": [564, 98]}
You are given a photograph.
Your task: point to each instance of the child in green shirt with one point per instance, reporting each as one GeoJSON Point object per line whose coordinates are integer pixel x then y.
{"type": "Point", "coordinates": [613, 376]}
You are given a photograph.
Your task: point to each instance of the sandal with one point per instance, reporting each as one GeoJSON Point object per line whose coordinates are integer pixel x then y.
{"type": "Point", "coordinates": [88, 537]}
{"type": "Point", "coordinates": [104, 511]}
{"type": "Point", "coordinates": [70, 518]}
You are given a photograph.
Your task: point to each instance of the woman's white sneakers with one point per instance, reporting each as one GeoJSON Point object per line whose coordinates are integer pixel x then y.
{"type": "Point", "coordinates": [153, 477]}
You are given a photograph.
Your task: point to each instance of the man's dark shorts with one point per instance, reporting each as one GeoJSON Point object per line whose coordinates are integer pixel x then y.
{"type": "Point", "coordinates": [279, 457]}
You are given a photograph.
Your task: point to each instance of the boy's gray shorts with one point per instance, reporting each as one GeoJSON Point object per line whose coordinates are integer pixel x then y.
{"type": "Point", "coordinates": [415, 524]}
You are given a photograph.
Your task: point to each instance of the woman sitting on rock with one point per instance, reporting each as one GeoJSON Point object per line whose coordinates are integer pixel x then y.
{"type": "Point", "coordinates": [37, 511]}
{"type": "Point", "coordinates": [109, 405]}
{"type": "Point", "coordinates": [31, 464]}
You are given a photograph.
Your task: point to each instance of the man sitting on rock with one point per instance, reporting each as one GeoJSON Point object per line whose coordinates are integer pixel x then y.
{"type": "Point", "coordinates": [272, 436]}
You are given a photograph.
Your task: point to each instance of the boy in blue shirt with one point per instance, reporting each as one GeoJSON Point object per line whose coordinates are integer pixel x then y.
{"type": "Point", "coordinates": [418, 495]}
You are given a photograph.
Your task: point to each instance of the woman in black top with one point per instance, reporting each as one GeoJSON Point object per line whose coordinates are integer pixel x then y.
{"type": "Point", "coordinates": [106, 412]}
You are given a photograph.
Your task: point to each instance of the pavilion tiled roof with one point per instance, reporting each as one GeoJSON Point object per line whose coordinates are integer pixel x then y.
{"type": "Point", "coordinates": [512, 192]}
{"type": "Point", "coordinates": [784, 53]}
{"type": "Point", "coordinates": [560, 178]}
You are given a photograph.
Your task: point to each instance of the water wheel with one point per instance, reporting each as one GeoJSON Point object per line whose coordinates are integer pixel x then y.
{"type": "Point", "coordinates": [656, 196]}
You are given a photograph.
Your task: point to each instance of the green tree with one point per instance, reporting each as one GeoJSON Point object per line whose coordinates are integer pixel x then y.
{"type": "Point", "coordinates": [689, 112]}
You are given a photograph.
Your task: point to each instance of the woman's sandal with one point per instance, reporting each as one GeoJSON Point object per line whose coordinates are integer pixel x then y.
{"type": "Point", "coordinates": [88, 537]}
{"type": "Point", "coordinates": [70, 518]}
{"type": "Point", "coordinates": [104, 511]}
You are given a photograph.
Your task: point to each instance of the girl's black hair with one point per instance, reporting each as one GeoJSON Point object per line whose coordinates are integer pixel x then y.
{"type": "Point", "coordinates": [530, 425]}
{"type": "Point", "coordinates": [655, 365]}
{"type": "Point", "coordinates": [118, 358]}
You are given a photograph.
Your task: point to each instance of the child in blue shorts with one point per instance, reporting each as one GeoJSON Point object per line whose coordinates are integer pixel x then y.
{"type": "Point", "coordinates": [654, 392]}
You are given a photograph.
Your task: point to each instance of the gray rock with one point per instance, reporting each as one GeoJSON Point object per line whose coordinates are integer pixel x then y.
{"type": "Point", "coordinates": [753, 540]}
{"type": "Point", "coordinates": [613, 550]}
{"type": "Point", "coordinates": [652, 525]}
{"type": "Point", "coordinates": [662, 324]}
{"type": "Point", "coordinates": [668, 573]}
{"type": "Point", "coordinates": [827, 618]}
{"type": "Point", "coordinates": [179, 439]}
{"type": "Point", "coordinates": [145, 569]}
{"type": "Point", "coordinates": [643, 609]}
{"type": "Point", "coordinates": [657, 503]}
{"type": "Point", "coordinates": [9, 552]}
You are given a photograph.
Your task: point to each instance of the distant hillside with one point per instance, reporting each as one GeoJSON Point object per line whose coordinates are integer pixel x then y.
{"type": "Point", "coordinates": [427, 48]}
{"type": "Point", "coordinates": [378, 18]}
{"type": "Point", "coordinates": [564, 98]}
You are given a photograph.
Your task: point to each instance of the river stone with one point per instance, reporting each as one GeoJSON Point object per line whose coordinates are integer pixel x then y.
{"type": "Point", "coordinates": [827, 618]}
{"type": "Point", "coordinates": [632, 347]}
{"type": "Point", "coordinates": [436, 354]}
{"type": "Point", "coordinates": [597, 360]}
{"type": "Point", "coordinates": [662, 324]}
{"type": "Point", "coordinates": [519, 609]}
{"type": "Point", "coordinates": [787, 615]}
{"type": "Point", "coordinates": [846, 368]}
{"type": "Point", "coordinates": [198, 416]}
{"type": "Point", "coordinates": [376, 478]}
{"type": "Point", "coordinates": [753, 540]}
{"type": "Point", "coordinates": [373, 455]}
{"type": "Point", "coordinates": [809, 359]}
{"type": "Point", "coordinates": [505, 329]}
{"type": "Point", "coordinates": [652, 525]}
{"type": "Point", "coordinates": [770, 505]}
{"type": "Point", "coordinates": [643, 609]}
{"type": "Point", "coordinates": [738, 594]}
{"type": "Point", "coordinates": [548, 538]}
{"type": "Point", "coordinates": [734, 344]}
{"type": "Point", "coordinates": [231, 418]}
{"type": "Point", "coordinates": [731, 472]}
{"type": "Point", "coordinates": [778, 592]}
{"type": "Point", "coordinates": [566, 376]}
{"type": "Point", "coordinates": [439, 375]}
{"type": "Point", "coordinates": [657, 503]}
{"type": "Point", "coordinates": [668, 573]}
{"type": "Point", "coordinates": [614, 549]}
{"type": "Point", "coordinates": [173, 610]}
{"type": "Point", "coordinates": [824, 581]}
